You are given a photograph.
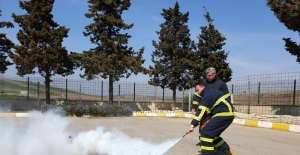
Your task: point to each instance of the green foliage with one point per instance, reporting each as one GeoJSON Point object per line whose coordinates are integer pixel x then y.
{"type": "Point", "coordinates": [288, 12]}
{"type": "Point", "coordinates": [5, 46]}
{"type": "Point", "coordinates": [104, 110]}
{"type": "Point", "coordinates": [111, 58]}
{"type": "Point", "coordinates": [210, 53]}
{"type": "Point", "coordinates": [173, 52]}
{"type": "Point", "coordinates": [94, 111]}
{"type": "Point", "coordinates": [40, 50]}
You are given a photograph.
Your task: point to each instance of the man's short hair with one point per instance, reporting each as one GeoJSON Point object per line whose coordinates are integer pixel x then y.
{"type": "Point", "coordinates": [201, 83]}
{"type": "Point", "coordinates": [210, 69]}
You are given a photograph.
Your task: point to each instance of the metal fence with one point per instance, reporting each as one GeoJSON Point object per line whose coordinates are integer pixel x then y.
{"type": "Point", "coordinates": [264, 92]}
{"type": "Point", "coordinates": [80, 89]}
{"type": "Point", "coordinates": [267, 89]}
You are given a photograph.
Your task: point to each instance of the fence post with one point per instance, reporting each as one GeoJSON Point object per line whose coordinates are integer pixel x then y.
{"type": "Point", "coordinates": [248, 97]}
{"type": "Point", "coordinates": [134, 92]}
{"type": "Point", "coordinates": [27, 87]}
{"type": "Point", "coordinates": [101, 91]}
{"type": "Point", "coordinates": [189, 99]}
{"type": "Point", "coordinates": [66, 89]}
{"type": "Point", "coordinates": [258, 93]}
{"type": "Point", "coordinates": [182, 99]}
{"type": "Point", "coordinates": [163, 94]}
{"type": "Point", "coordinates": [231, 94]}
{"type": "Point", "coordinates": [155, 92]}
{"type": "Point", "coordinates": [80, 93]}
{"type": "Point", "coordinates": [294, 93]}
{"type": "Point", "coordinates": [38, 93]}
{"type": "Point", "coordinates": [119, 93]}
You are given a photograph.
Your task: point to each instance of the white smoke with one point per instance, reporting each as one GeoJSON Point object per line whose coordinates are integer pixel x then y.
{"type": "Point", "coordinates": [47, 135]}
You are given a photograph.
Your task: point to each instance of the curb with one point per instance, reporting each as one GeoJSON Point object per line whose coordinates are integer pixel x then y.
{"type": "Point", "coordinates": [15, 114]}
{"type": "Point", "coordinates": [250, 123]}
{"type": "Point", "coordinates": [269, 125]}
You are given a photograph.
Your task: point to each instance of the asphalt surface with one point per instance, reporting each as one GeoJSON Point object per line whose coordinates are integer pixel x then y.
{"type": "Point", "coordinates": [242, 139]}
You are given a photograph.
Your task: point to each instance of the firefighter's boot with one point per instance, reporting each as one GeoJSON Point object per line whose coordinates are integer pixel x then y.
{"type": "Point", "coordinates": [228, 152]}
{"type": "Point", "coordinates": [200, 150]}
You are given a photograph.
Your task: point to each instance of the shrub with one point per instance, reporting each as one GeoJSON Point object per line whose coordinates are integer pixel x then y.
{"type": "Point", "coordinates": [94, 110]}
{"type": "Point", "coordinates": [104, 110]}
{"type": "Point", "coordinates": [81, 110]}
{"type": "Point", "coordinates": [126, 111]}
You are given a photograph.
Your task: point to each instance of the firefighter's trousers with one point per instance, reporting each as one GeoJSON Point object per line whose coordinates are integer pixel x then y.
{"type": "Point", "coordinates": [211, 132]}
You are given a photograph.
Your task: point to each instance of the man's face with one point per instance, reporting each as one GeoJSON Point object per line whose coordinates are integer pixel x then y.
{"type": "Point", "coordinates": [199, 89]}
{"type": "Point", "coordinates": [210, 76]}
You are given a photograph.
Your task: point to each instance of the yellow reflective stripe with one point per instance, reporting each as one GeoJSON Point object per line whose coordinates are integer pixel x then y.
{"type": "Point", "coordinates": [207, 148]}
{"type": "Point", "coordinates": [203, 109]}
{"type": "Point", "coordinates": [228, 105]}
{"type": "Point", "coordinates": [197, 94]}
{"type": "Point", "coordinates": [220, 143]}
{"type": "Point", "coordinates": [220, 100]}
{"type": "Point", "coordinates": [195, 103]}
{"type": "Point", "coordinates": [224, 114]}
{"type": "Point", "coordinates": [210, 140]}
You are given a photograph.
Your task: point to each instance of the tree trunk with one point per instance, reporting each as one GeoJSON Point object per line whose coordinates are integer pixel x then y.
{"type": "Point", "coordinates": [111, 88]}
{"type": "Point", "coordinates": [174, 100]}
{"type": "Point", "coordinates": [47, 87]}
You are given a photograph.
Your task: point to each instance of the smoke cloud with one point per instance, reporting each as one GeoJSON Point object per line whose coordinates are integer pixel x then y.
{"type": "Point", "coordinates": [47, 134]}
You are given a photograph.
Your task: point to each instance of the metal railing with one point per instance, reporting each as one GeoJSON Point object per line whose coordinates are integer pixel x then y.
{"type": "Point", "coordinates": [264, 94]}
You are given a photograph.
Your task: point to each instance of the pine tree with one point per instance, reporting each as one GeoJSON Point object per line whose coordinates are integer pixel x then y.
{"type": "Point", "coordinates": [40, 50]}
{"type": "Point", "coordinates": [210, 53]}
{"type": "Point", "coordinates": [111, 58]}
{"type": "Point", "coordinates": [173, 52]}
{"type": "Point", "coordinates": [288, 12]}
{"type": "Point", "coordinates": [5, 46]}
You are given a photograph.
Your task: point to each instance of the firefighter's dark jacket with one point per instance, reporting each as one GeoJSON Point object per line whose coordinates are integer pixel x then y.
{"type": "Point", "coordinates": [196, 100]}
{"type": "Point", "coordinates": [214, 103]}
{"type": "Point", "coordinates": [217, 84]}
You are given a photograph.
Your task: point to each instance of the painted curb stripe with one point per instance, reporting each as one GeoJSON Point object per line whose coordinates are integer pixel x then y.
{"type": "Point", "coordinates": [151, 114]}
{"type": "Point", "coordinates": [139, 115]}
{"type": "Point", "coordinates": [263, 124]}
{"type": "Point", "coordinates": [161, 114]}
{"type": "Point", "coordinates": [281, 126]}
{"type": "Point", "coordinates": [179, 115]}
{"type": "Point", "coordinates": [295, 128]}
{"type": "Point", "coordinates": [251, 123]}
{"type": "Point", "coordinates": [170, 115]}
{"type": "Point", "coordinates": [22, 114]}
{"type": "Point", "coordinates": [239, 121]}
{"type": "Point", "coordinates": [7, 114]}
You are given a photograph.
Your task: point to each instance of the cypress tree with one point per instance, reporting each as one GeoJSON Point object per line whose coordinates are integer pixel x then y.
{"type": "Point", "coordinates": [111, 58]}
{"type": "Point", "coordinates": [5, 45]}
{"type": "Point", "coordinates": [288, 13]}
{"type": "Point", "coordinates": [173, 52]}
{"type": "Point", "coordinates": [40, 50]}
{"type": "Point", "coordinates": [210, 52]}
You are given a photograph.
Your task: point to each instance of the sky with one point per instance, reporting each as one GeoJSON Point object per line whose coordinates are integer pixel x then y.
{"type": "Point", "coordinates": [254, 35]}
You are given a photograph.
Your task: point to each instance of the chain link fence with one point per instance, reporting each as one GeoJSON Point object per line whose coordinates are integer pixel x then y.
{"type": "Point", "coordinates": [84, 90]}
{"type": "Point", "coordinates": [262, 94]}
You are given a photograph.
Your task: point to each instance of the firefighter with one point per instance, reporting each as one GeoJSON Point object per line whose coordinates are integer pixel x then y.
{"type": "Point", "coordinates": [214, 82]}
{"type": "Point", "coordinates": [218, 105]}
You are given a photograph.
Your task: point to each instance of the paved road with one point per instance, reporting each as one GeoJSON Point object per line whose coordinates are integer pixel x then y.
{"type": "Point", "coordinates": [243, 140]}
{"type": "Point", "coordinates": [143, 133]}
